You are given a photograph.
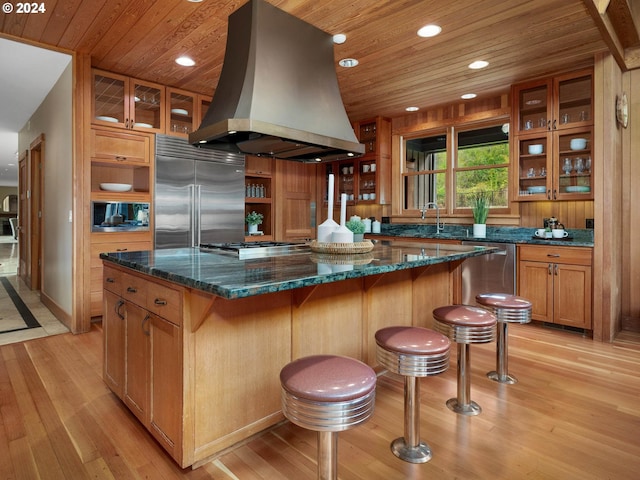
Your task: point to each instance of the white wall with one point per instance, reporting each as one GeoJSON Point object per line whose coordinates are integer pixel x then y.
{"type": "Point", "coordinates": [53, 118]}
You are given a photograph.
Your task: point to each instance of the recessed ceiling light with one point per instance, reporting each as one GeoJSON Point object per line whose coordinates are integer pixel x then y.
{"type": "Point", "coordinates": [468, 96]}
{"type": "Point", "coordinates": [412, 109]}
{"type": "Point", "coordinates": [348, 62]}
{"type": "Point", "coordinates": [185, 61]}
{"type": "Point", "coordinates": [339, 38]}
{"type": "Point", "coordinates": [194, 1]}
{"type": "Point", "coordinates": [478, 64]}
{"type": "Point", "coordinates": [429, 31]}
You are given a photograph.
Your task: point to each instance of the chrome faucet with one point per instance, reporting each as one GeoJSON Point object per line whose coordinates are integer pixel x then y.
{"type": "Point", "coordinates": [439, 226]}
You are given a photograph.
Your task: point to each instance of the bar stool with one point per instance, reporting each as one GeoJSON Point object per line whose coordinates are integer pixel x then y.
{"type": "Point", "coordinates": [507, 309]}
{"type": "Point", "coordinates": [464, 325]}
{"type": "Point", "coordinates": [327, 394]}
{"type": "Point", "coordinates": [412, 352]}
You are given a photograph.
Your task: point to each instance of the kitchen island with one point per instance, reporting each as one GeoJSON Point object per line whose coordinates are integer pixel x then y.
{"type": "Point", "coordinates": [195, 340]}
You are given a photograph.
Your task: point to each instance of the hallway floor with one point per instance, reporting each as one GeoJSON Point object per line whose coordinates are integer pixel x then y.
{"type": "Point", "coordinates": [49, 325]}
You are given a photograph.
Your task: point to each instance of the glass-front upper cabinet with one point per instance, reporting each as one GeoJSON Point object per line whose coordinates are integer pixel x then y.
{"type": "Point", "coordinates": [146, 104]}
{"type": "Point", "coordinates": [534, 102]}
{"type": "Point", "coordinates": [556, 103]}
{"type": "Point", "coordinates": [120, 101]}
{"type": "Point", "coordinates": [574, 165]}
{"type": "Point", "coordinates": [574, 104]}
{"type": "Point", "coordinates": [181, 114]}
{"type": "Point", "coordinates": [554, 138]}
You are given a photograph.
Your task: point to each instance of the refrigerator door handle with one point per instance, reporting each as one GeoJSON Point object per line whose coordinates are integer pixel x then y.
{"type": "Point", "coordinates": [198, 212]}
{"type": "Point", "coordinates": [192, 216]}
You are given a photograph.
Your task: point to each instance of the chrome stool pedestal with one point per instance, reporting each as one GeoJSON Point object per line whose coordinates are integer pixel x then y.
{"type": "Point", "coordinates": [464, 325]}
{"type": "Point", "coordinates": [327, 394]}
{"type": "Point", "coordinates": [507, 309]}
{"type": "Point", "coordinates": [412, 352]}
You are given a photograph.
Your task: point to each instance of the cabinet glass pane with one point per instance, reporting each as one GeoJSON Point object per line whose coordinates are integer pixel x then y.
{"type": "Point", "coordinates": [181, 112]}
{"type": "Point", "coordinates": [147, 106]}
{"type": "Point", "coordinates": [109, 99]}
{"type": "Point", "coordinates": [532, 166]}
{"type": "Point", "coordinates": [574, 163]}
{"type": "Point", "coordinates": [533, 108]}
{"type": "Point", "coordinates": [346, 181]}
{"type": "Point", "coordinates": [367, 181]}
{"type": "Point", "coordinates": [574, 100]}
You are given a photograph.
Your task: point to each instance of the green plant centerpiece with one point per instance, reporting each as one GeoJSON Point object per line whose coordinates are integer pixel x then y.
{"type": "Point", "coordinates": [254, 218]}
{"type": "Point", "coordinates": [357, 227]}
{"type": "Point", "coordinates": [480, 209]}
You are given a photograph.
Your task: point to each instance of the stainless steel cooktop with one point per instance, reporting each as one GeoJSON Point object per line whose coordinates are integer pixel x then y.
{"type": "Point", "coordinates": [256, 249]}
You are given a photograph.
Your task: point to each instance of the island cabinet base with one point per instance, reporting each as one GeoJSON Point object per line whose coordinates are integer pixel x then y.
{"type": "Point", "coordinates": [232, 351]}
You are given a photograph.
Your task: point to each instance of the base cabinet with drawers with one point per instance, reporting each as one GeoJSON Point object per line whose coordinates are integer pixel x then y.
{"type": "Point", "coordinates": [557, 281]}
{"type": "Point", "coordinates": [143, 353]}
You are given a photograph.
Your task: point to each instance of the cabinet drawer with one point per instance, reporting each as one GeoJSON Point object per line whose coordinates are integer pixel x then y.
{"type": "Point", "coordinates": [165, 302]}
{"type": "Point", "coordinates": [98, 248]}
{"type": "Point", "coordinates": [112, 280]}
{"type": "Point", "coordinates": [551, 253]}
{"type": "Point", "coordinates": [120, 146]}
{"type": "Point", "coordinates": [134, 289]}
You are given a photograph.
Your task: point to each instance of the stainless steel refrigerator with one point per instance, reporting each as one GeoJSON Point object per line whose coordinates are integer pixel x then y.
{"type": "Point", "coordinates": [199, 195]}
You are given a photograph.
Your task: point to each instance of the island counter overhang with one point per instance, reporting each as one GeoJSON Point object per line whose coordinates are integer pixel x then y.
{"type": "Point", "coordinates": [215, 330]}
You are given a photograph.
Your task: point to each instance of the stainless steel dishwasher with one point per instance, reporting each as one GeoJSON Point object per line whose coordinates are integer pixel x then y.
{"type": "Point", "coordinates": [494, 272]}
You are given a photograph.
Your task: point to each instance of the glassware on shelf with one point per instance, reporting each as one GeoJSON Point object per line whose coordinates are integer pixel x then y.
{"type": "Point", "coordinates": [587, 164]}
{"type": "Point", "coordinates": [543, 172]}
{"type": "Point", "coordinates": [566, 168]}
{"type": "Point", "coordinates": [578, 165]}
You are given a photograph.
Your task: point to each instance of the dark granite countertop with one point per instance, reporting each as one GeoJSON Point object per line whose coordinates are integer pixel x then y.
{"type": "Point", "coordinates": [577, 237]}
{"type": "Point", "coordinates": [225, 275]}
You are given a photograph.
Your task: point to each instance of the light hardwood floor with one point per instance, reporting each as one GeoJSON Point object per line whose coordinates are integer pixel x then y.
{"type": "Point", "coordinates": [575, 414]}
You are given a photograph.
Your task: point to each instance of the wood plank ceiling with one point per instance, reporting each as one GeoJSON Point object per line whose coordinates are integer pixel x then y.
{"type": "Point", "coordinates": [520, 39]}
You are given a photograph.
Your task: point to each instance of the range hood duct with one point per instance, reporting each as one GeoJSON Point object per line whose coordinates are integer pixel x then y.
{"type": "Point", "coordinates": [278, 93]}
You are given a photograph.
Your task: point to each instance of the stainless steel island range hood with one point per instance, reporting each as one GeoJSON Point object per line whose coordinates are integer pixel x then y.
{"type": "Point", "coordinates": [278, 92]}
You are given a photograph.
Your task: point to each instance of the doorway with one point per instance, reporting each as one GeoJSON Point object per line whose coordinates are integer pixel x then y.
{"type": "Point", "coordinates": [31, 191]}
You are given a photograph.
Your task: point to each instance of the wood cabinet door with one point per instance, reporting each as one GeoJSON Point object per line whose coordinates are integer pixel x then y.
{"type": "Point", "coordinates": [535, 283]}
{"type": "Point", "coordinates": [572, 295]}
{"type": "Point", "coordinates": [120, 146]}
{"type": "Point", "coordinates": [113, 327]}
{"type": "Point", "coordinates": [295, 201]}
{"type": "Point", "coordinates": [165, 414]}
{"type": "Point", "coordinates": [136, 391]}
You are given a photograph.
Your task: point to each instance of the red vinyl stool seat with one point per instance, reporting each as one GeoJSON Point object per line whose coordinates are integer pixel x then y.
{"type": "Point", "coordinates": [328, 394]}
{"type": "Point", "coordinates": [507, 309]}
{"type": "Point", "coordinates": [464, 325]}
{"type": "Point", "coordinates": [412, 352]}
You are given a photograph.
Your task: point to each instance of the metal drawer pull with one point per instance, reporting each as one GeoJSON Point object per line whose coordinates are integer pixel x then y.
{"type": "Point", "coordinates": [159, 301]}
{"type": "Point", "coordinates": [121, 249]}
{"type": "Point", "coordinates": [110, 280]}
{"type": "Point", "coordinates": [132, 290]}
{"type": "Point", "coordinates": [553, 255]}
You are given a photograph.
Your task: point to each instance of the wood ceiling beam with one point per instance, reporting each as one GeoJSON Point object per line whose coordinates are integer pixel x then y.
{"type": "Point", "coordinates": [618, 26]}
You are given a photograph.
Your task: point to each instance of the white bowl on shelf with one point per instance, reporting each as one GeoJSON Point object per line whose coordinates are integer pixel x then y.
{"type": "Point", "coordinates": [142, 125]}
{"type": "Point", "coordinates": [104, 118]}
{"type": "Point", "coordinates": [115, 187]}
{"type": "Point", "coordinates": [535, 149]}
{"type": "Point", "coordinates": [537, 189]}
{"type": "Point", "coordinates": [578, 143]}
